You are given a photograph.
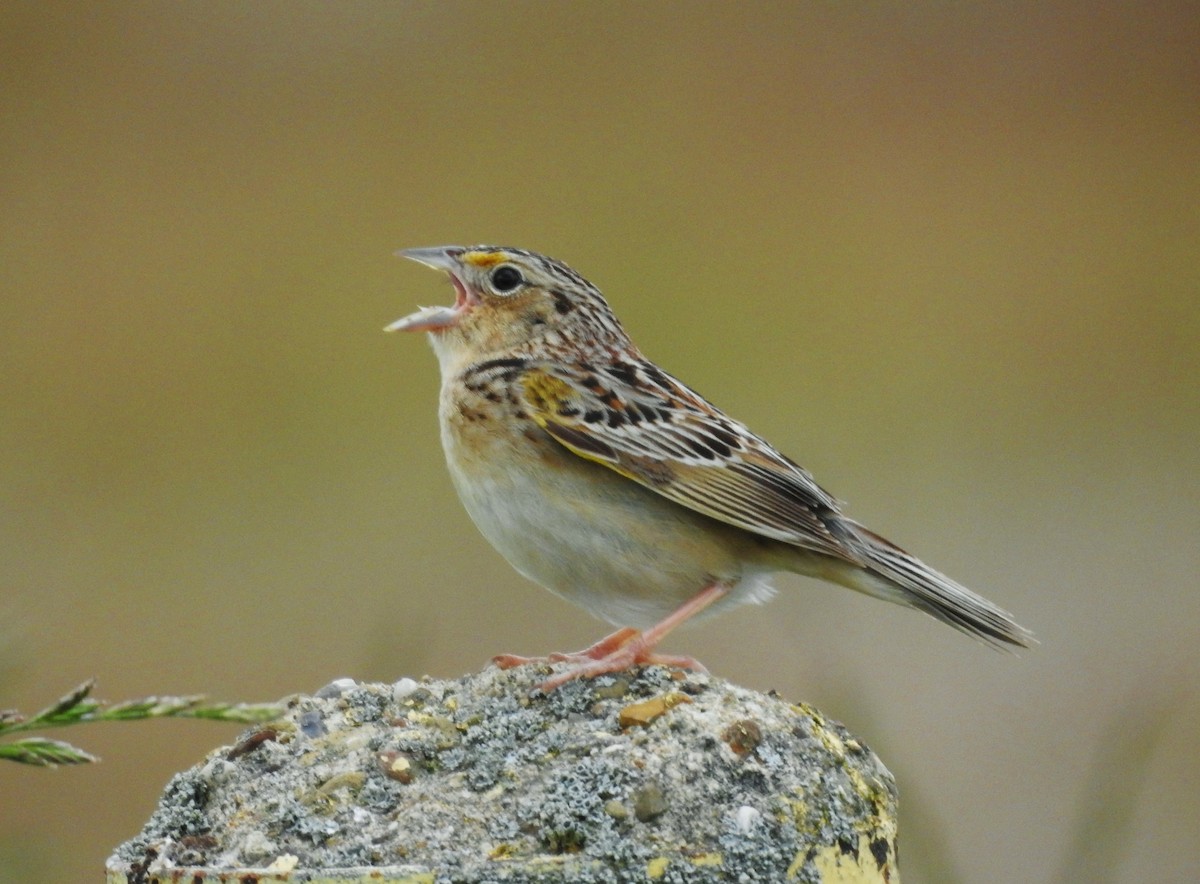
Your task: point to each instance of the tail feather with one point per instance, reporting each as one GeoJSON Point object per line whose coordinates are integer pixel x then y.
{"type": "Point", "coordinates": [894, 574]}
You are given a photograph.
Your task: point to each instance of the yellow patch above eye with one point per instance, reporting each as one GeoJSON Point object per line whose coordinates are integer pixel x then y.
{"type": "Point", "coordinates": [483, 259]}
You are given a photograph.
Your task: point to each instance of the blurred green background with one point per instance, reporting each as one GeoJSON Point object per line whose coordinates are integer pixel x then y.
{"type": "Point", "coordinates": [947, 256]}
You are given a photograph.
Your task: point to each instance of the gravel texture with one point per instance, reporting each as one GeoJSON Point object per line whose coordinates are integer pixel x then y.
{"type": "Point", "coordinates": [654, 775]}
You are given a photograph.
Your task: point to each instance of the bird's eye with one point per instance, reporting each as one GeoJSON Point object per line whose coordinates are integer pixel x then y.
{"type": "Point", "coordinates": [506, 278]}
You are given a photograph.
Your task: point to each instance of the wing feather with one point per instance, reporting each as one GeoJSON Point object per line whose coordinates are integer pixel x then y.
{"type": "Point", "coordinates": [649, 427]}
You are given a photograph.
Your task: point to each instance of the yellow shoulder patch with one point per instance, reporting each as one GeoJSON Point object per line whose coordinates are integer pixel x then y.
{"type": "Point", "coordinates": [545, 393]}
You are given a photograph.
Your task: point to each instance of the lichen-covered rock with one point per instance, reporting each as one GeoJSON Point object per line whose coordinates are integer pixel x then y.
{"type": "Point", "coordinates": [654, 775]}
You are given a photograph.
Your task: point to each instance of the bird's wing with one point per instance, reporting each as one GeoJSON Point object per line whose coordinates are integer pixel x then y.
{"type": "Point", "coordinates": [635, 419]}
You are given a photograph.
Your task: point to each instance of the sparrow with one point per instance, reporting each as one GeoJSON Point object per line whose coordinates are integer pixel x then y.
{"type": "Point", "coordinates": [614, 485]}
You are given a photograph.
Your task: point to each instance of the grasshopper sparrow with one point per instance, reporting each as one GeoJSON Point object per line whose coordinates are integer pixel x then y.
{"type": "Point", "coordinates": [613, 485]}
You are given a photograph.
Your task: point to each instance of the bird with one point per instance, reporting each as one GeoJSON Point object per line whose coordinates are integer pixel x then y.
{"type": "Point", "coordinates": [614, 485]}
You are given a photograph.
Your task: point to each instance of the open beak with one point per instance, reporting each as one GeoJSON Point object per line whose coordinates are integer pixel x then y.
{"type": "Point", "coordinates": [432, 319]}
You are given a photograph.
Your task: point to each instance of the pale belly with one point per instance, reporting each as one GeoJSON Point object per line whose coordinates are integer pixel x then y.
{"type": "Point", "coordinates": [593, 537]}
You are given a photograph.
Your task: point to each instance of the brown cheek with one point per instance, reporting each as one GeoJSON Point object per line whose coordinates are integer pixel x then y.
{"type": "Point", "coordinates": [477, 328]}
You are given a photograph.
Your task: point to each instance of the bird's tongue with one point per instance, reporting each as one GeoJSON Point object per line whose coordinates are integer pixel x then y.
{"type": "Point", "coordinates": [436, 318]}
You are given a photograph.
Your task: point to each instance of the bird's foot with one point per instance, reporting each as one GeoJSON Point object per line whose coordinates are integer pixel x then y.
{"type": "Point", "coordinates": [622, 650]}
{"type": "Point", "coordinates": [599, 650]}
{"type": "Point", "coordinates": [625, 648]}
{"type": "Point", "coordinates": [634, 651]}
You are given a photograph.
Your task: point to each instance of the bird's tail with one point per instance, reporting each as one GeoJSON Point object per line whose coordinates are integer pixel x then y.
{"type": "Point", "coordinates": [893, 574]}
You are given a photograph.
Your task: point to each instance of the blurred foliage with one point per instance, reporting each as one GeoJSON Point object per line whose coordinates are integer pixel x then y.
{"type": "Point", "coordinates": [1104, 824]}
{"type": "Point", "coordinates": [78, 707]}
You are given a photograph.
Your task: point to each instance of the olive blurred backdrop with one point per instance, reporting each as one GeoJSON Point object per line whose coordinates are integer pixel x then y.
{"type": "Point", "coordinates": [944, 255]}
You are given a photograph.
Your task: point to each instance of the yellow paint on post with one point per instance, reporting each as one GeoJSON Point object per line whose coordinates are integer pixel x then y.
{"type": "Point", "coordinates": [835, 867]}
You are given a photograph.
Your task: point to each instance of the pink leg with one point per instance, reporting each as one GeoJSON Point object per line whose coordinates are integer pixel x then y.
{"type": "Point", "coordinates": [600, 649]}
{"type": "Point", "coordinates": [628, 647]}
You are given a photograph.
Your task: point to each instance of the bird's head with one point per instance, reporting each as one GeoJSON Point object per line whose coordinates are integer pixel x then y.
{"type": "Point", "coordinates": [511, 300]}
